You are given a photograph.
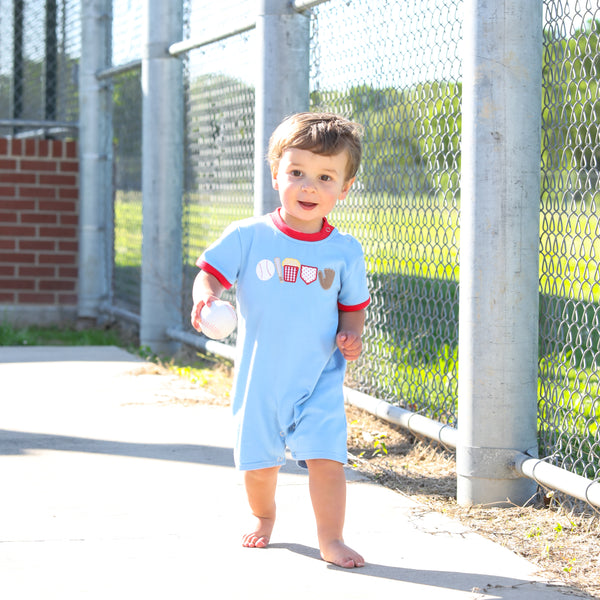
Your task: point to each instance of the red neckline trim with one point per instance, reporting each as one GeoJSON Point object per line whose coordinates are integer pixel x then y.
{"type": "Point", "coordinates": [325, 231]}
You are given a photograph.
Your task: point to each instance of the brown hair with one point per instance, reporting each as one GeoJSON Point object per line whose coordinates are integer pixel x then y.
{"type": "Point", "coordinates": [321, 133]}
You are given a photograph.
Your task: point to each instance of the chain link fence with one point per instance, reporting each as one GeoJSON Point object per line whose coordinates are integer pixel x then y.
{"type": "Point", "coordinates": [396, 68]}
{"type": "Point", "coordinates": [569, 375]}
{"type": "Point", "coordinates": [126, 106]}
{"type": "Point", "coordinates": [219, 137]}
{"type": "Point", "coordinates": [400, 78]}
{"type": "Point", "coordinates": [39, 55]}
{"type": "Point", "coordinates": [127, 195]}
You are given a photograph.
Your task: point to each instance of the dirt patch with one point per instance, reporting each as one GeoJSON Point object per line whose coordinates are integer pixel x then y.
{"type": "Point", "coordinates": [565, 546]}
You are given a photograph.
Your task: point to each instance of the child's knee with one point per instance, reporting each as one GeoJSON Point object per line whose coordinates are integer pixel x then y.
{"type": "Point", "coordinates": [324, 465]}
{"type": "Point", "coordinates": [261, 475]}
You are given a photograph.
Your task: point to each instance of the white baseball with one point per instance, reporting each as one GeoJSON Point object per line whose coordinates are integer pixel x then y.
{"type": "Point", "coordinates": [218, 320]}
{"type": "Point", "coordinates": [265, 269]}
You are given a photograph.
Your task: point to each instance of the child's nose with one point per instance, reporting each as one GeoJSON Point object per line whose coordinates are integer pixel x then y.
{"type": "Point", "coordinates": [308, 186]}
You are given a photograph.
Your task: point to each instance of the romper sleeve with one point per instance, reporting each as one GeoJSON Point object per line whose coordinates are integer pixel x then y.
{"type": "Point", "coordinates": [354, 291]}
{"type": "Point", "coordinates": [223, 258]}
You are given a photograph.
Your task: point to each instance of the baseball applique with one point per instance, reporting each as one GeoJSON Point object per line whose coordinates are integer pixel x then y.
{"type": "Point", "coordinates": [326, 277]}
{"type": "Point", "coordinates": [265, 269]}
{"type": "Point", "coordinates": [308, 274]}
{"type": "Point", "coordinates": [289, 269]}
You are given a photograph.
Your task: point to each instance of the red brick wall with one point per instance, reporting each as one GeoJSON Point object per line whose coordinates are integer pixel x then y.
{"type": "Point", "coordinates": [39, 206]}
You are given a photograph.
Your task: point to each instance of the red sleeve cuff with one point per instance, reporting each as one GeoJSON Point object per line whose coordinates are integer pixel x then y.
{"type": "Point", "coordinates": [354, 307]}
{"type": "Point", "coordinates": [212, 271]}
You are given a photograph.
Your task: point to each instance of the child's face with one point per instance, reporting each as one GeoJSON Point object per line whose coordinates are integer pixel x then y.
{"type": "Point", "coordinates": [309, 185]}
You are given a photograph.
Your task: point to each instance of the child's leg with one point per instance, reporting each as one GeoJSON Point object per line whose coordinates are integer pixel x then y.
{"type": "Point", "coordinates": [260, 488]}
{"type": "Point", "coordinates": [327, 483]}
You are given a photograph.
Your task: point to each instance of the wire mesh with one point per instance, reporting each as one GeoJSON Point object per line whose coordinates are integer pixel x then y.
{"type": "Point", "coordinates": [127, 23]}
{"type": "Point", "coordinates": [204, 18]}
{"type": "Point", "coordinates": [39, 57]}
{"type": "Point", "coordinates": [127, 155]}
{"type": "Point", "coordinates": [399, 77]}
{"type": "Point", "coordinates": [569, 407]}
{"type": "Point", "coordinates": [127, 209]}
{"type": "Point", "coordinates": [219, 146]}
{"type": "Point", "coordinates": [398, 73]}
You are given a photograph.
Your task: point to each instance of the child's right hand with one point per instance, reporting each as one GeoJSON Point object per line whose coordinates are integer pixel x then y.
{"type": "Point", "coordinates": [206, 290]}
{"type": "Point", "coordinates": [198, 306]}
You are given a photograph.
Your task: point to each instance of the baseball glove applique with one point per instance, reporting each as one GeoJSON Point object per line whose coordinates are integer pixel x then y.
{"type": "Point", "coordinates": [326, 277]}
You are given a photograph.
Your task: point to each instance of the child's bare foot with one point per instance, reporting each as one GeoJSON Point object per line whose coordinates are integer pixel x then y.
{"type": "Point", "coordinates": [339, 554]}
{"type": "Point", "coordinates": [260, 537]}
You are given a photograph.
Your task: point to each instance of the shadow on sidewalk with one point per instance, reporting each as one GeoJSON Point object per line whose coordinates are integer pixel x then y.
{"type": "Point", "coordinates": [20, 443]}
{"type": "Point", "coordinates": [485, 584]}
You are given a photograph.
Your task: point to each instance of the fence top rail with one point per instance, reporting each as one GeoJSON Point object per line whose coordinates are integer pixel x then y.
{"type": "Point", "coordinates": [247, 25]}
{"type": "Point", "coordinates": [186, 45]}
{"type": "Point", "coordinates": [119, 69]}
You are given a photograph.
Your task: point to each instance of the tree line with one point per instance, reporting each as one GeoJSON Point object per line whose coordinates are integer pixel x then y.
{"type": "Point", "coordinates": [412, 135]}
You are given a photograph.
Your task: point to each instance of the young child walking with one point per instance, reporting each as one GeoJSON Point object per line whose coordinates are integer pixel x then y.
{"type": "Point", "coordinates": [301, 299]}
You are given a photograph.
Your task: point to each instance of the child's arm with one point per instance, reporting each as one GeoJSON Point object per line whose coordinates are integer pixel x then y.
{"type": "Point", "coordinates": [206, 289]}
{"type": "Point", "coordinates": [349, 337]}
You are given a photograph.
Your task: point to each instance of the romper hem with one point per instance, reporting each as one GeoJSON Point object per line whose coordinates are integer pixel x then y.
{"type": "Point", "coordinates": [302, 457]}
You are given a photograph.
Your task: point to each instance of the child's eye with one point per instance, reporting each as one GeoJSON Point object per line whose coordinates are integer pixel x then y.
{"type": "Point", "coordinates": [326, 178]}
{"type": "Point", "coordinates": [295, 173]}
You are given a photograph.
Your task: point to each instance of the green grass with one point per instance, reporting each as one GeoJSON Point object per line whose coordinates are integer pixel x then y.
{"type": "Point", "coordinates": [11, 335]}
{"type": "Point", "coordinates": [199, 368]}
{"type": "Point", "coordinates": [417, 237]}
{"type": "Point", "coordinates": [128, 229]}
{"type": "Point", "coordinates": [570, 255]}
{"type": "Point", "coordinates": [412, 252]}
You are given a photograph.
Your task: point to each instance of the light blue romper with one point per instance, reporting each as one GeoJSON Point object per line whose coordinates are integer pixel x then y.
{"type": "Point", "coordinates": [288, 386]}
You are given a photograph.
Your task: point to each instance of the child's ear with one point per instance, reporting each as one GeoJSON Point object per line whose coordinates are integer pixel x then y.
{"type": "Point", "coordinates": [274, 172]}
{"type": "Point", "coordinates": [346, 188]}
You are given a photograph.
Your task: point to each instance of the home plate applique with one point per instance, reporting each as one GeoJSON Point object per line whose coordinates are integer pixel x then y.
{"type": "Point", "coordinates": [308, 274]}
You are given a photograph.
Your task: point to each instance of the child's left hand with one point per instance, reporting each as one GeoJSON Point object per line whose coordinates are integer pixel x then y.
{"type": "Point", "coordinates": [350, 344]}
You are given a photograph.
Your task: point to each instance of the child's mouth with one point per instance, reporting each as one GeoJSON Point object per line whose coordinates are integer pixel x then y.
{"type": "Point", "coordinates": [308, 205]}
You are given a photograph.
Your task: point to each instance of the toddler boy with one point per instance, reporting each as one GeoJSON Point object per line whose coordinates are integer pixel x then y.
{"type": "Point", "coordinates": [301, 299]}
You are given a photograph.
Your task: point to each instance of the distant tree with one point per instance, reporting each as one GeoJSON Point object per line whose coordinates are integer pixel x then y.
{"type": "Point", "coordinates": [219, 134]}
{"type": "Point", "coordinates": [412, 136]}
{"type": "Point", "coordinates": [5, 100]}
{"type": "Point", "coordinates": [582, 53]}
{"type": "Point", "coordinates": [127, 130]}
{"type": "Point", "coordinates": [571, 112]}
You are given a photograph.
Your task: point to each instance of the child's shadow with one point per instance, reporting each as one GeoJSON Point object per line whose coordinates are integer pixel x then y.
{"type": "Point", "coordinates": [440, 579]}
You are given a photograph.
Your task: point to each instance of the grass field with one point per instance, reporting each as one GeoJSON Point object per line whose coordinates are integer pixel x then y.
{"type": "Point", "coordinates": [412, 255]}
{"type": "Point", "coordinates": [421, 240]}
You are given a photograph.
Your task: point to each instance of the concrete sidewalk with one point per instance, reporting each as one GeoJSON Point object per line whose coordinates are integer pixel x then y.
{"type": "Point", "coordinates": [111, 490]}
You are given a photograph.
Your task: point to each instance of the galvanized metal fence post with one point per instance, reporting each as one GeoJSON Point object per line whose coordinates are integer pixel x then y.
{"type": "Point", "coordinates": [95, 151]}
{"type": "Point", "coordinates": [162, 175]}
{"type": "Point", "coordinates": [499, 252]}
{"type": "Point", "coordinates": [282, 84]}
